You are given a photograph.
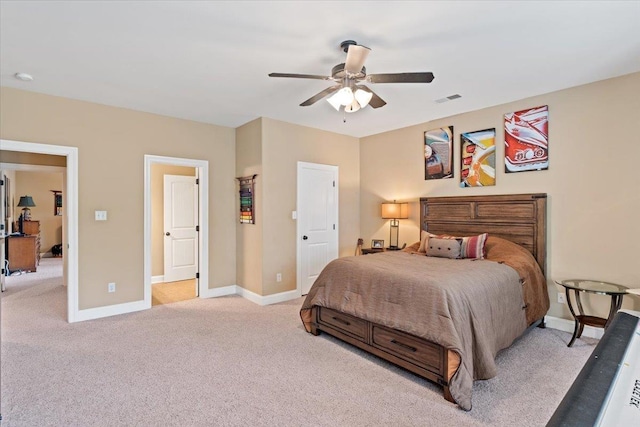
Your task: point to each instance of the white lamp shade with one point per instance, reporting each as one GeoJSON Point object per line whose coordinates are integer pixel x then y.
{"type": "Point", "coordinates": [334, 101]}
{"type": "Point", "coordinates": [363, 97]}
{"type": "Point", "coordinates": [345, 96]}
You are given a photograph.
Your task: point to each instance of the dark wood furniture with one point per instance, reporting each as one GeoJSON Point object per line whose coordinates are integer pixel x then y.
{"type": "Point", "coordinates": [367, 251]}
{"type": "Point", "coordinates": [23, 251]}
{"type": "Point", "coordinates": [32, 228]}
{"type": "Point", "coordinates": [520, 218]}
{"type": "Point", "coordinates": [616, 292]}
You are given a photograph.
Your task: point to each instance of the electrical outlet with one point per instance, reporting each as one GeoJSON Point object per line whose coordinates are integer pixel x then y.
{"type": "Point", "coordinates": [101, 215]}
{"type": "Point", "coordinates": [111, 287]}
{"type": "Point", "coordinates": [562, 298]}
{"type": "Point", "coordinates": [279, 277]}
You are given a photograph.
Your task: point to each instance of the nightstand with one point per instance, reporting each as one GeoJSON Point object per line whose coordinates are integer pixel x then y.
{"type": "Point", "coordinates": [367, 251]}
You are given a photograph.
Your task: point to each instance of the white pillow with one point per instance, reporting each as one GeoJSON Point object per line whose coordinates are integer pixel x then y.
{"type": "Point", "coordinates": [444, 248]}
{"type": "Point", "coordinates": [424, 239]}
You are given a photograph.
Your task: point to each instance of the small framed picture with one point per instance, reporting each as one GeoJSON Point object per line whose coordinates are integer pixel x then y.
{"type": "Point", "coordinates": [377, 244]}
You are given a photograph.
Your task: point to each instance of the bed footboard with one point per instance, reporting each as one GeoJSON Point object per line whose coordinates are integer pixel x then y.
{"type": "Point", "coordinates": [424, 358]}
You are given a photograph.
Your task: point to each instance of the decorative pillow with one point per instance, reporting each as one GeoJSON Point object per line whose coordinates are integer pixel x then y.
{"type": "Point", "coordinates": [474, 246]}
{"type": "Point", "coordinates": [424, 238]}
{"type": "Point", "coordinates": [444, 248]}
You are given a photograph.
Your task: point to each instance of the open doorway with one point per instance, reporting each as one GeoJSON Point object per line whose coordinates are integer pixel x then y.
{"type": "Point", "coordinates": [33, 220]}
{"type": "Point", "coordinates": [175, 229]}
{"type": "Point", "coordinates": [69, 188]}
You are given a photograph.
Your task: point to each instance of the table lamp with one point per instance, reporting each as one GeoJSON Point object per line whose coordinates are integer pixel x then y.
{"type": "Point", "coordinates": [25, 203]}
{"type": "Point", "coordinates": [394, 211]}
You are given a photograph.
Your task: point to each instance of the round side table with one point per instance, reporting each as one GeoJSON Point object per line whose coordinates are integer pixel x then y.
{"type": "Point", "coordinates": [616, 292]}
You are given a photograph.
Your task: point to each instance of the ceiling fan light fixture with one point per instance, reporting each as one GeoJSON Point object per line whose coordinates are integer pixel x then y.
{"type": "Point", "coordinates": [363, 97]}
{"type": "Point", "coordinates": [353, 107]}
{"type": "Point", "coordinates": [344, 96]}
{"type": "Point", "coordinates": [334, 101]}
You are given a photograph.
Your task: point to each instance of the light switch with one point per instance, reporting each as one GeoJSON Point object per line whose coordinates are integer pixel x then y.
{"type": "Point", "coordinates": [101, 215]}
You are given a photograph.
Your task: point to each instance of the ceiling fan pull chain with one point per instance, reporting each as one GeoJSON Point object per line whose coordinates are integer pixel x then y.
{"type": "Point", "coordinates": [344, 117]}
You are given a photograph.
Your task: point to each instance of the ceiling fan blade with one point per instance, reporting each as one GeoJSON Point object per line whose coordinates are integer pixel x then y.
{"type": "Point", "coordinates": [317, 97]}
{"type": "Point", "coordinates": [376, 101]}
{"type": "Point", "coordinates": [401, 78]}
{"type": "Point", "coordinates": [300, 76]}
{"type": "Point", "coordinates": [356, 55]}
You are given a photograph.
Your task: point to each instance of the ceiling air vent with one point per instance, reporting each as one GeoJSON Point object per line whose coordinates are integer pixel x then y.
{"type": "Point", "coordinates": [448, 98]}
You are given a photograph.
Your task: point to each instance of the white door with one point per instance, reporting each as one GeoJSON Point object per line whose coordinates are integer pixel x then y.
{"type": "Point", "coordinates": [180, 222]}
{"type": "Point", "coordinates": [317, 221]}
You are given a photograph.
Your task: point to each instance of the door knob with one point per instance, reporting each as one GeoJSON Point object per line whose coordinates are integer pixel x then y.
{"type": "Point", "coordinates": [304, 237]}
{"type": "Point", "coordinates": [167, 234]}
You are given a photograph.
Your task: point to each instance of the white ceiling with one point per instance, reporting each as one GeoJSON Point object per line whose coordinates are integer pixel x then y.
{"type": "Point", "coordinates": [208, 61]}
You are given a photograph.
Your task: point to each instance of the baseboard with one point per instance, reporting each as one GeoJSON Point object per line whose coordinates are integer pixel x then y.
{"type": "Point", "coordinates": [130, 307]}
{"type": "Point", "coordinates": [567, 325]}
{"type": "Point", "coordinates": [267, 299]}
{"type": "Point", "coordinates": [157, 279]}
{"type": "Point", "coordinates": [110, 310]}
{"type": "Point", "coordinates": [219, 292]}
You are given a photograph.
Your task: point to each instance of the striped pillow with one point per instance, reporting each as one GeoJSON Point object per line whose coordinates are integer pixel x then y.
{"type": "Point", "coordinates": [473, 246]}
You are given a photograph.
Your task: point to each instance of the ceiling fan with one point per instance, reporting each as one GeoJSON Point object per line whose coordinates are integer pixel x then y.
{"type": "Point", "coordinates": [349, 92]}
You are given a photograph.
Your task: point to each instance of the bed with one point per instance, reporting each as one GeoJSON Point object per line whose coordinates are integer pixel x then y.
{"type": "Point", "coordinates": [442, 319]}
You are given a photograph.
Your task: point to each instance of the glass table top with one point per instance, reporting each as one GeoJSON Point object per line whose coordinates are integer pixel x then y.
{"type": "Point", "coordinates": [593, 286]}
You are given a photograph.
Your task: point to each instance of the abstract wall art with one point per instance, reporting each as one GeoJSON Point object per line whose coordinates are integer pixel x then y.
{"type": "Point", "coordinates": [478, 158]}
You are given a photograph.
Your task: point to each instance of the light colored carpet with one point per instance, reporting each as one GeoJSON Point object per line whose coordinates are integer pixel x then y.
{"type": "Point", "coordinates": [167, 293]}
{"type": "Point", "coordinates": [229, 362]}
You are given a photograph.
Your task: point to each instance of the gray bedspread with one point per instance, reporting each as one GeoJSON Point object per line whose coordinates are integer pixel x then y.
{"type": "Point", "coordinates": [474, 308]}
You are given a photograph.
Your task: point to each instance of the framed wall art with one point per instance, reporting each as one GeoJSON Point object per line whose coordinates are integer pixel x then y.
{"type": "Point", "coordinates": [438, 153]}
{"type": "Point", "coordinates": [57, 202]}
{"type": "Point", "coordinates": [526, 140]}
{"type": "Point", "coordinates": [478, 158]}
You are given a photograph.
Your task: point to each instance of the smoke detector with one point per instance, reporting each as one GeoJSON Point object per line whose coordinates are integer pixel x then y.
{"type": "Point", "coordinates": [24, 77]}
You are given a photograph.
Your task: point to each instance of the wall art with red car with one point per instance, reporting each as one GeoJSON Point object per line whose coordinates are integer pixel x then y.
{"type": "Point", "coordinates": [478, 158]}
{"type": "Point", "coordinates": [526, 140]}
{"type": "Point", "coordinates": [438, 153]}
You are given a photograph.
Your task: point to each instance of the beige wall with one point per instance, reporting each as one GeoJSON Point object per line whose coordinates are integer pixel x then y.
{"type": "Point", "coordinates": [593, 196]}
{"type": "Point", "coordinates": [249, 250]}
{"type": "Point", "coordinates": [38, 185]}
{"type": "Point", "coordinates": [111, 145]}
{"type": "Point", "coordinates": [272, 149]}
{"type": "Point", "coordinates": [158, 171]}
{"type": "Point", "coordinates": [283, 145]}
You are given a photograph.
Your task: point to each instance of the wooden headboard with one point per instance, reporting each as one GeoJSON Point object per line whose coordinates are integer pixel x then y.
{"type": "Point", "coordinates": [520, 218]}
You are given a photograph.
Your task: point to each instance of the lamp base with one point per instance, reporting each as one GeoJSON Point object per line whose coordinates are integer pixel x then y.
{"type": "Point", "coordinates": [26, 214]}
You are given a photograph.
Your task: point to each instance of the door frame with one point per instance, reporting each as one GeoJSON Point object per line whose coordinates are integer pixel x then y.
{"type": "Point", "coordinates": [70, 257]}
{"type": "Point", "coordinates": [202, 173]}
{"type": "Point", "coordinates": [299, 233]}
